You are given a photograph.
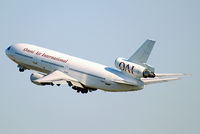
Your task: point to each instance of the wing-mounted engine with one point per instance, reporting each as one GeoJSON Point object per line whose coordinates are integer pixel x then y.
{"type": "Point", "coordinates": [36, 76]}
{"type": "Point", "coordinates": [134, 69]}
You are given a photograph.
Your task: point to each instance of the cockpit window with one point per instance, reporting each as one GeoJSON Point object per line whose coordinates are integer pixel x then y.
{"type": "Point", "coordinates": [9, 48]}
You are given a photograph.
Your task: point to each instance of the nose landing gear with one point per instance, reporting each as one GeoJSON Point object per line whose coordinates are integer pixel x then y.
{"type": "Point", "coordinates": [21, 68]}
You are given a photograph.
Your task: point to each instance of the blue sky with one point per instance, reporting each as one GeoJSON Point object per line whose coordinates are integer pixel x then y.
{"type": "Point", "coordinates": [101, 31]}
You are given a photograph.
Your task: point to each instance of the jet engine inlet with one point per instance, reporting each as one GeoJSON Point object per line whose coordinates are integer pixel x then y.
{"type": "Point", "coordinates": [147, 73]}
{"type": "Point", "coordinates": [35, 76]}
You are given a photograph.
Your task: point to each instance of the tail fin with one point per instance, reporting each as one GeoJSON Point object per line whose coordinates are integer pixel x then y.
{"type": "Point", "coordinates": [142, 54]}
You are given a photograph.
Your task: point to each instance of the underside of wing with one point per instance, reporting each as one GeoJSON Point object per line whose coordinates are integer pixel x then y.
{"type": "Point", "coordinates": [157, 80]}
{"type": "Point", "coordinates": [58, 77]}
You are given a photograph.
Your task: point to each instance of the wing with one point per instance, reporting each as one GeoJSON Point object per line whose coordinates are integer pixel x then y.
{"type": "Point", "coordinates": [157, 80]}
{"type": "Point", "coordinates": [58, 77]}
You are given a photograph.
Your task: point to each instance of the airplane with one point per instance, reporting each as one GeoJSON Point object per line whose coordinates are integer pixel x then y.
{"type": "Point", "coordinates": [55, 68]}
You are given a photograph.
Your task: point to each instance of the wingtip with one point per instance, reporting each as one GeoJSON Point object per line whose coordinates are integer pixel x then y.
{"type": "Point", "coordinates": [187, 74]}
{"type": "Point", "coordinates": [151, 40]}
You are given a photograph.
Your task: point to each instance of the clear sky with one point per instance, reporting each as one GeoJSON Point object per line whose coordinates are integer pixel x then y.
{"type": "Point", "coordinates": [101, 31]}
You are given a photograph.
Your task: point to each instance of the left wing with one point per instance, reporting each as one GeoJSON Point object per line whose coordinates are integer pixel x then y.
{"type": "Point", "coordinates": [58, 77]}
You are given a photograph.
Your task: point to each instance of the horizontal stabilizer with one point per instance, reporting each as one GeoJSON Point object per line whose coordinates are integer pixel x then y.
{"type": "Point", "coordinates": [157, 80]}
{"type": "Point", "coordinates": [168, 74]}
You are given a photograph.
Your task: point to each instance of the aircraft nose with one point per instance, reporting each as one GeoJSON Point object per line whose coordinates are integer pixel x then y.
{"type": "Point", "coordinates": [7, 51]}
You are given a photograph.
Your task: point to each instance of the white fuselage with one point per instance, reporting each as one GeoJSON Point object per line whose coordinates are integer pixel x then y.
{"type": "Point", "coordinates": [90, 74]}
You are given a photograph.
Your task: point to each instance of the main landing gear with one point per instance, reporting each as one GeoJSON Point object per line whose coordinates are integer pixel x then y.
{"type": "Point", "coordinates": [83, 90]}
{"type": "Point", "coordinates": [21, 68]}
{"type": "Point", "coordinates": [53, 84]}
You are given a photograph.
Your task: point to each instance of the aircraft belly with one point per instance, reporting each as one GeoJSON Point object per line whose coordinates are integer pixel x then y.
{"type": "Point", "coordinates": [113, 87]}
{"type": "Point", "coordinates": [99, 83]}
{"type": "Point", "coordinates": [119, 88]}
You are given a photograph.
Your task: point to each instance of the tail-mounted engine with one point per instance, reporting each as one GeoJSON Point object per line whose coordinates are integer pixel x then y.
{"type": "Point", "coordinates": [133, 69]}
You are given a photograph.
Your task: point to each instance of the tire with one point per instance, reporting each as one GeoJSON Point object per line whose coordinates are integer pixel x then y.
{"type": "Point", "coordinates": [21, 69]}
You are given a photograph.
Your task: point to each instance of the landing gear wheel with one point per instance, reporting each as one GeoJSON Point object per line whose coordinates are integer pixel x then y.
{"type": "Point", "coordinates": [21, 69]}
{"type": "Point", "coordinates": [84, 91]}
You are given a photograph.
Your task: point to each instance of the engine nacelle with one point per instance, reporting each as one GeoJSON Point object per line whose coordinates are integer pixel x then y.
{"type": "Point", "coordinates": [133, 69]}
{"type": "Point", "coordinates": [35, 76]}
